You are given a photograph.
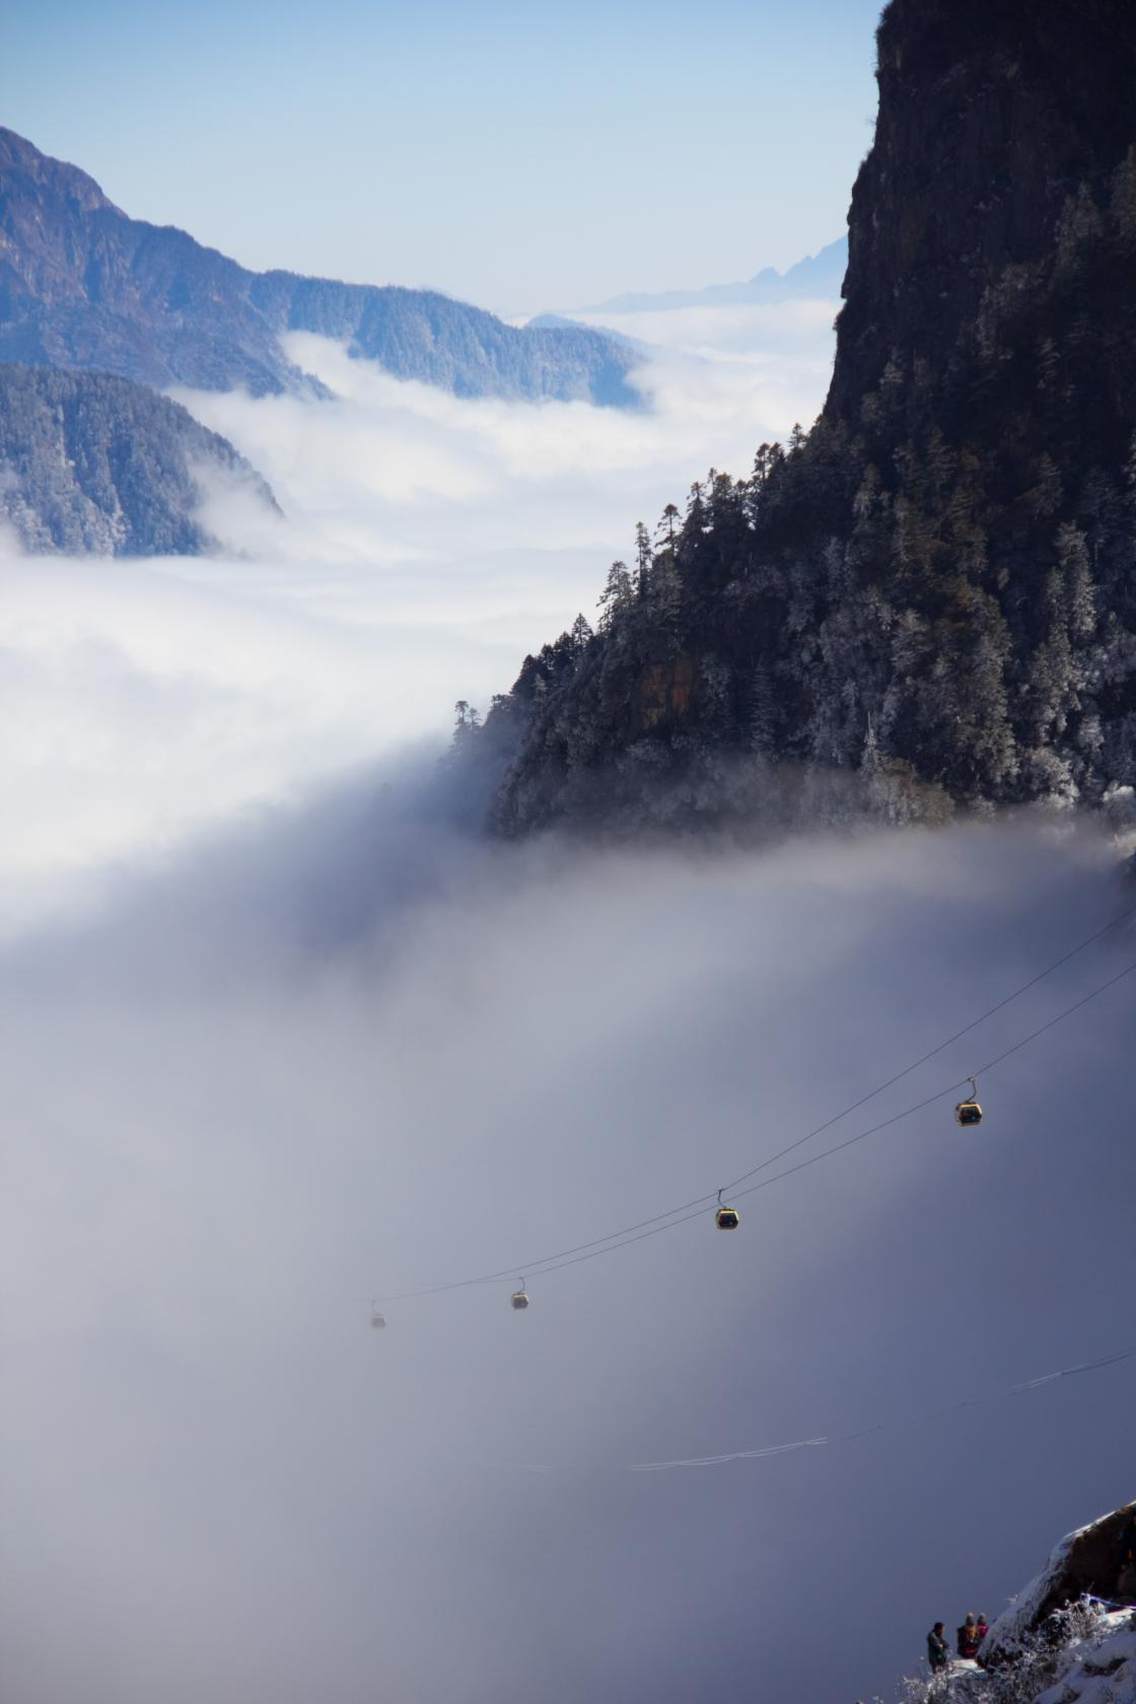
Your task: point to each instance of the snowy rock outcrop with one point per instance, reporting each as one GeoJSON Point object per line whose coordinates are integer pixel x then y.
{"type": "Point", "coordinates": [1068, 1638]}
{"type": "Point", "coordinates": [1094, 1664]}
{"type": "Point", "coordinates": [1092, 1562]}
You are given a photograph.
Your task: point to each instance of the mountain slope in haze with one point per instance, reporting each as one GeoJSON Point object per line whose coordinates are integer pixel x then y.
{"type": "Point", "coordinates": [83, 285]}
{"type": "Point", "coordinates": [92, 464]}
{"type": "Point", "coordinates": [818, 276]}
{"type": "Point", "coordinates": [931, 598]}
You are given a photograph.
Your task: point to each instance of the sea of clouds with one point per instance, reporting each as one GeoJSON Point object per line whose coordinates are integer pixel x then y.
{"type": "Point", "coordinates": [279, 1037]}
{"type": "Point", "coordinates": [427, 543]}
{"type": "Point", "coordinates": [341, 1054]}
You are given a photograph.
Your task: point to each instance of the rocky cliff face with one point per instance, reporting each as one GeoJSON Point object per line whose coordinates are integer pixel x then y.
{"type": "Point", "coordinates": [94, 464]}
{"type": "Point", "coordinates": [83, 285]}
{"type": "Point", "coordinates": [992, 115]}
{"type": "Point", "coordinates": [933, 594]}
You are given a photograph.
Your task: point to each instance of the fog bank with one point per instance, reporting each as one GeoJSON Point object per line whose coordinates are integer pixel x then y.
{"type": "Point", "coordinates": [279, 1037]}
{"type": "Point", "coordinates": [427, 543]}
{"type": "Point", "coordinates": [346, 1053]}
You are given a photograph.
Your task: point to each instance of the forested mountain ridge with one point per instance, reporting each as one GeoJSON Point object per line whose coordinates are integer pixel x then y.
{"type": "Point", "coordinates": [82, 285]}
{"type": "Point", "coordinates": [92, 464]}
{"type": "Point", "coordinates": [932, 595]}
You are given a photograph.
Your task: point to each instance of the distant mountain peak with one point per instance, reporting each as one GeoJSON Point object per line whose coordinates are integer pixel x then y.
{"type": "Point", "coordinates": [56, 177]}
{"type": "Point", "coordinates": [83, 285]}
{"type": "Point", "coordinates": [817, 276]}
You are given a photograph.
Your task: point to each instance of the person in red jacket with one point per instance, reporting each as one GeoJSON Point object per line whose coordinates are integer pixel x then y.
{"type": "Point", "coordinates": [968, 1639]}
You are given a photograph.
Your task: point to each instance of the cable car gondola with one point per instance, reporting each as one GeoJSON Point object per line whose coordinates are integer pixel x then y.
{"type": "Point", "coordinates": [378, 1320]}
{"type": "Point", "coordinates": [519, 1300]}
{"type": "Point", "coordinates": [726, 1218]}
{"type": "Point", "coordinates": [968, 1111]}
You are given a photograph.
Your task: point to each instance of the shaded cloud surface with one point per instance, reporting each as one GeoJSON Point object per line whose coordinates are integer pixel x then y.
{"type": "Point", "coordinates": [283, 1076]}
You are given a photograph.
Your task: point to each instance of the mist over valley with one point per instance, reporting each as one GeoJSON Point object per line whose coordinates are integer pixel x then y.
{"type": "Point", "coordinates": [482, 796]}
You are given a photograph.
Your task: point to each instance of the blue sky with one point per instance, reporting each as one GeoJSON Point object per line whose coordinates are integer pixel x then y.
{"type": "Point", "coordinates": [521, 156]}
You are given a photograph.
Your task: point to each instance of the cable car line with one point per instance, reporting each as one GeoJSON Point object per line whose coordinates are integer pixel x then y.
{"type": "Point", "coordinates": [920, 1417]}
{"type": "Point", "coordinates": [767, 1182]}
{"type": "Point", "coordinates": [669, 1219]}
{"type": "Point", "coordinates": [698, 1209]}
{"type": "Point", "coordinates": [991, 1011]}
{"type": "Point", "coordinates": [695, 1208]}
{"type": "Point", "coordinates": [861, 1135]}
{"type": "Point", "coordinates": [884, 1426]}
{"type": "Point", "coordinates": [990, 1064]}
{"type": "Point", "coordinates": [699, 1202]}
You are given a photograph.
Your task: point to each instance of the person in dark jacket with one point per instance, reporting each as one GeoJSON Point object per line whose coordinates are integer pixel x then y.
{"type": "Point", "coordinates": [938, 1651]}
{"type": "Point", "coordinates": [1126, 1572]}
{"type": "Point", "coordinates": [968, 1640]}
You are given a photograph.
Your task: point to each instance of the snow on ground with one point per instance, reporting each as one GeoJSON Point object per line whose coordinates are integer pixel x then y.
{"type": "Point", "coordinates": [1100, 1669]}
{"type": "Point", "coordinates": [1096, 1666]}
{"type": "Point", "coordinates": [1013, 1626]}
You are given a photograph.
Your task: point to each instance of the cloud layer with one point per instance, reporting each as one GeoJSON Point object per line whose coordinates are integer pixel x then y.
{"type": "Point", "coordinates": [344, 1054]}
{"type": "Point", "coordinates": [429, 543]}
{"type": "Point", "coordinates": [277, 1038]}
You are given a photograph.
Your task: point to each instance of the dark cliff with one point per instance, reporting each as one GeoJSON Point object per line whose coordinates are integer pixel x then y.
{"type": "Point", "coordinates": [992, 115]}
{"type": "Point", "coordinates": [932, 594]}
{"type": "Point", "coordinates": [83, 285]}
{"type": "Point", "coordinates": [93, 464]}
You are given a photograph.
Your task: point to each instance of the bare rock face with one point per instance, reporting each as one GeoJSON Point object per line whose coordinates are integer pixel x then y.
{"type": "Point", "coordinates": [992, 115]}
{"type": "Point", "coordinates": [934, 591]}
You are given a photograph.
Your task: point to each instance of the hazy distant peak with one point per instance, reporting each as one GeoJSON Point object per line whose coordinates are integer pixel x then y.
{"type": "Point", "coordinates": [828, 262]}
{"type": "Point", "coordinates": [817, 275]}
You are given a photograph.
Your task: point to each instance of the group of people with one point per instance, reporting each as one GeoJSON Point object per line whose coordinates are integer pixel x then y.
{"type": "Point", "coordinates": [968, 1642]}
{"type": "Point", "coordinates": [1121, 1591]}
